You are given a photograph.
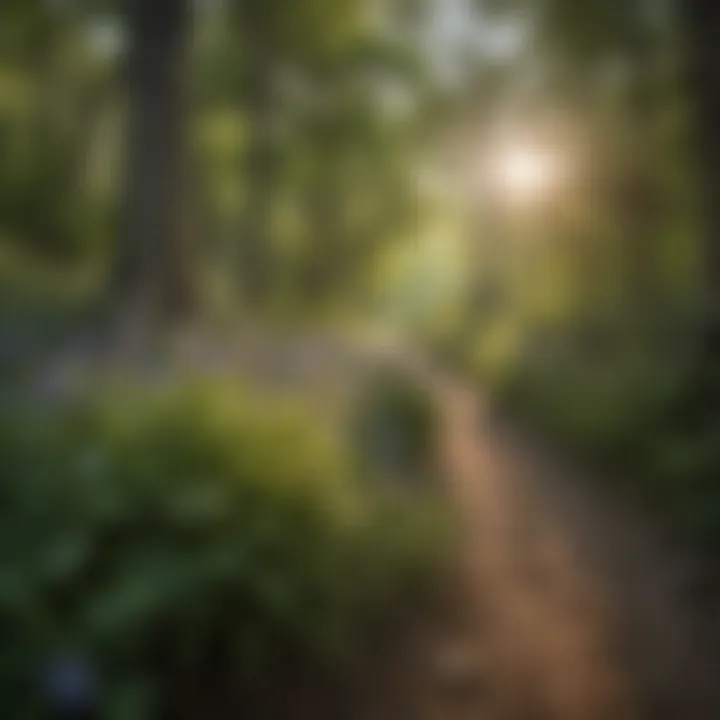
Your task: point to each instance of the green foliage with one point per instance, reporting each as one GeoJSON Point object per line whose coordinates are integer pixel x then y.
{"type": "Point", "coordinates": [397, 427]}
{"type": "Point", "coordinates": [599, 28]}
{"type": "Point", "coordinates": [634, 418]}
{"type": "Point", "coordinates": [288, 113]}
{"type": "Point", "coordinates": [54, 93]}
{"type": "Point", "coordinates": [190, 539]}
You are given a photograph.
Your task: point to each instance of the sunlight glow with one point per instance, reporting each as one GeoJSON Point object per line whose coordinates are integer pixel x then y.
{"type": "Point", "coordinates": [524, 172]}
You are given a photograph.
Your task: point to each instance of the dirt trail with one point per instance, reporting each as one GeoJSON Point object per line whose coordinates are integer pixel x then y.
{"type": "Point", "coordinates": [571, 608]}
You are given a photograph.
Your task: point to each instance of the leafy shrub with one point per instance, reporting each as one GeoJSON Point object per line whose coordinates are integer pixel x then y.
{"type": "Point", "coordinates": [396, 427]}
{"type": "Point", "coordinates": [191, 543]}
{"type": "Point", "coordinates": [682, 478]}
{"type": "Point", "coordinates": [640, 422]}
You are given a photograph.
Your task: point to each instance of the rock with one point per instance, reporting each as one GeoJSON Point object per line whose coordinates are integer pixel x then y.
{"type": "Point", "coordinates": [458, 666]}
{"type": "Point", "coordinates": [70, 688]}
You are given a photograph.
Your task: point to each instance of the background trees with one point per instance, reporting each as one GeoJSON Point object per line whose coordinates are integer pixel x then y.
{"type": "Point", "coordinates": [275, 156]}
{"type": "Point", "coordinates": [702, 27]}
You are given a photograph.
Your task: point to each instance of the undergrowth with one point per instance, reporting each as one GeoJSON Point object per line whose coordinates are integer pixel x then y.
{"type": "Point", "coordinates": [188, 549]}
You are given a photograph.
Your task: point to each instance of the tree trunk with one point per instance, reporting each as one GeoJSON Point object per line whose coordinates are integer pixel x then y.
{"type": "Point", "coordinates": [256, 243]}
{"type": "Point", "coordinates": [152, 273]}
{"type": "Point", "coordinates": [702, 24]}
{"type": "Point", "coordinates": [255, 247]}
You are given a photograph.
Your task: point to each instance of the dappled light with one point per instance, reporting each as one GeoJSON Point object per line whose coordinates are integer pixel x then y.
{"type": "Point", "coordinates": [359, 359]}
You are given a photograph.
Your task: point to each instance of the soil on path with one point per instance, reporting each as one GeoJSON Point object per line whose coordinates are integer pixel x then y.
{"type": "Point", "coordinates": [568, 605]}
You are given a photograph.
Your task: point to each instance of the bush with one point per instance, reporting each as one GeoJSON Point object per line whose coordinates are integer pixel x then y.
{"type": "Point", "coordinates": [639, 422]}
{"type": "Point", "coordinates": [681, 479]}
{"type": "Point", "coordinates": [396, 428]}
{"type": "Point", "coordinates": [187, 547]}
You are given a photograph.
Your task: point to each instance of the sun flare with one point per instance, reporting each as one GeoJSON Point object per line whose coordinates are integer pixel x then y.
{"type": "Point", "coordinates": [523, 172]}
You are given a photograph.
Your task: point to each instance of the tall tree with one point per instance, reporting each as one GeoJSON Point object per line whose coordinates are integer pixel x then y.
{"type": "Point", "coordinates": [152, 271]}
{"type": "Point", "coordinates": [702, 24]}
{"type": "Point", "coordinates": [262, 47]}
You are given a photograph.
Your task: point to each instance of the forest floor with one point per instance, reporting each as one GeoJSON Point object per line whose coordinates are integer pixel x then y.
{"type": "Point", "coordinates": [569, 605]}
{"type": "Point", "coordinates": [566, 604]}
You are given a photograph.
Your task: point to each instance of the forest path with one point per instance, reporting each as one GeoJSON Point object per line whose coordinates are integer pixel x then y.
{"type": "Point", "coordinates": [572, 607]}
